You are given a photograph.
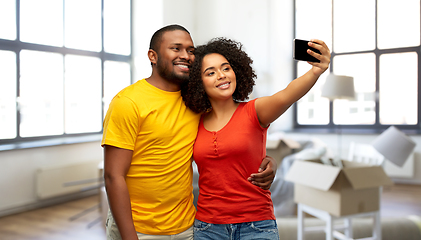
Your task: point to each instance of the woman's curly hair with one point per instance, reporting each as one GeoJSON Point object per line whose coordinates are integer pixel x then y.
{"type": "Point", "coordinates": [193, 92]}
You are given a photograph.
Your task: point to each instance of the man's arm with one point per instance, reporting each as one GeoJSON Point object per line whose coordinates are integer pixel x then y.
{"type": "Point", "coordinates": [116, 165]}
{"type": "Point", "coordinates": [267, 172]}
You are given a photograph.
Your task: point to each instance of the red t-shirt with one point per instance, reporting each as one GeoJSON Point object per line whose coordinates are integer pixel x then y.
{"type": "Point", "coordinates": [225, 159]}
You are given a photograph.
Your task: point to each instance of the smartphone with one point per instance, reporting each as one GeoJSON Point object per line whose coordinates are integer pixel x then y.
{"type": "Point", "coordinates": [300, 51]}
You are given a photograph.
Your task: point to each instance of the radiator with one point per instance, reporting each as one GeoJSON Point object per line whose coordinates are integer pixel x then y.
{"type": "Point", "coordinates": [62, 180]}
{"type": "Point", "coordinates": [406, 171]}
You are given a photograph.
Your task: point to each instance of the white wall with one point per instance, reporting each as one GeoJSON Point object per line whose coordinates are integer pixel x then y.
{"type": "Point", "coordinates": [146, 20]}
{"type": "Point", "coordinates": [18, 170]}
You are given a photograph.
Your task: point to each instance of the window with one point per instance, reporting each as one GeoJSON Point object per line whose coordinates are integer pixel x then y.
{"type": "Point", "coordinates": [60, 66]}
{"type": "Point", "coordinates": [381, 53]}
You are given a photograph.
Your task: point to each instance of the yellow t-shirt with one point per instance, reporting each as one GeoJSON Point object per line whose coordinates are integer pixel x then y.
{"type": "Point", "coordinates": [160, 130]}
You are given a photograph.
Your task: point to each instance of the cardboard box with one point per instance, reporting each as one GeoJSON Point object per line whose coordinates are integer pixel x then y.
{"type": "Point", "coordinates": [350, 190]}
{"type": "Point", "coordinates": [280, 148]}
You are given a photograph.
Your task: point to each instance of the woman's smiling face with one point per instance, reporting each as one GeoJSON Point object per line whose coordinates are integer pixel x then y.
{"type": "Point", "coordinates": [218, 77]}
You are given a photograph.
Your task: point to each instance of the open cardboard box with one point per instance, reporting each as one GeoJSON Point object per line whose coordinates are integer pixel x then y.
{"type": "Point", "coordinates": [353, 189]}
{"type": "Point", "coordinates": [280, 148]}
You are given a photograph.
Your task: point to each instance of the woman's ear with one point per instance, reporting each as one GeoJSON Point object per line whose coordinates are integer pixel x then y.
{"type": "Point", "coordinates": [153, 56]}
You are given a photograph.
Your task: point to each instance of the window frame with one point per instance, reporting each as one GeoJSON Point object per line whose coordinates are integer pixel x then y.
{"type": "Point", "coordinates": [17, 46]}
{"type": "Point", "coordinates": [331, 127]}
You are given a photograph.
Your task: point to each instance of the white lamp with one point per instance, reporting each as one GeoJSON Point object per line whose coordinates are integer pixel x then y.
{"type": "Point", "coordinates": [394, 145]}
{"type": "Point", "coordinates": [338, 87]}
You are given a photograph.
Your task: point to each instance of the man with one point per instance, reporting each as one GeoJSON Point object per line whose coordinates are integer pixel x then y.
{"type": "Point", "coordinates": [148, 142]}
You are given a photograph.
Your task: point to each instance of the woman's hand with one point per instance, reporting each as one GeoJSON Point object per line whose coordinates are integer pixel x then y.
{"type": "Point", "coordinates": [324, 56]}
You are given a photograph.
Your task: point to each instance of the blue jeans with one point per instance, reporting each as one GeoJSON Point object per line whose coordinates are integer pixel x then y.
{"type": "Point", "coordinates": [264, 230]}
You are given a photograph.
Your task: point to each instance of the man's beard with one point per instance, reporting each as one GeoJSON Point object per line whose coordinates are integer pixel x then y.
{"type": "Point", "coordinates": [168, 75]}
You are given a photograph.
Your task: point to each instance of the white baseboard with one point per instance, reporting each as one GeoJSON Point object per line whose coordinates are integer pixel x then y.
{"type": "Point", "coordinates": [48, 202]}
{"type": "Point", "coordinates": [406, 181]}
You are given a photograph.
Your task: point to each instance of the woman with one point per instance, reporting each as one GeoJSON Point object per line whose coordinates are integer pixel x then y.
{"type": "Point", "coordinates": [232, 138]}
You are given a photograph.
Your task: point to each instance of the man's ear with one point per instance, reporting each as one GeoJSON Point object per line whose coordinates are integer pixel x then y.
{"type": "Point", "coordinates": [153, 56]}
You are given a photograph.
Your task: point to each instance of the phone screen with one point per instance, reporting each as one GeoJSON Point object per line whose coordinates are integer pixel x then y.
{"type": "Point", "coordinates": [300, 51]}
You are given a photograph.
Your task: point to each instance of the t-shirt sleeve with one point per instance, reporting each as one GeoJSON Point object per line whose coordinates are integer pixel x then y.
{"type": "Point", "coordinates": [251, 112]}
{"type": "Point", "coordinates": [121, 123]}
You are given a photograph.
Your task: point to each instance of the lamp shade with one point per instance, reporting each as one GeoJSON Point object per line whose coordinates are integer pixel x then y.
{"type": "Point", "coordinates": [394, 145]}
{"type": "Point", "coordinates": [338, 87]}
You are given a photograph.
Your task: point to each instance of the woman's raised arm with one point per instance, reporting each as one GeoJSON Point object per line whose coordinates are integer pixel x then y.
{"type": "Point", "coordinates": [271, 107]}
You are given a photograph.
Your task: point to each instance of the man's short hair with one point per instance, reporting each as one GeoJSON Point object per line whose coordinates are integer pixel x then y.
{"type": "Point", "coordinates": [157, 36]}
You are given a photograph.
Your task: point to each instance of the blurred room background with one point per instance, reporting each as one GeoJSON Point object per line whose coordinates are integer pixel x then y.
{"type": "Point", "coordinates": [61, 62]}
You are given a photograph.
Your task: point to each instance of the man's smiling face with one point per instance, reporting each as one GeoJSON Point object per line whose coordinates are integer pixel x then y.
{"type": "Point", "coordinates": [175, 56]}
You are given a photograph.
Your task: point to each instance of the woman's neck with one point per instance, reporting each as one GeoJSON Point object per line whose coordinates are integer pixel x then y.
{"type": "Point", "coordinates": [220, 114]}
{"type": "Point", "coordinates": [223, 107]}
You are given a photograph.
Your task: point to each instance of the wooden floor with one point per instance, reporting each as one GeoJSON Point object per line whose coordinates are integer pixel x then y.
{"type": "Point", "coordinates": [401, 201]}
{"type": "Point", "coordinates": [80, 219]}
{"type": "Point", "coordinates": [76, 220]}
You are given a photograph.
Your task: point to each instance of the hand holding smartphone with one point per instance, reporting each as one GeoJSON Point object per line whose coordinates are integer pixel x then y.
{"type": "Point", "coordinates": [300, 51]}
